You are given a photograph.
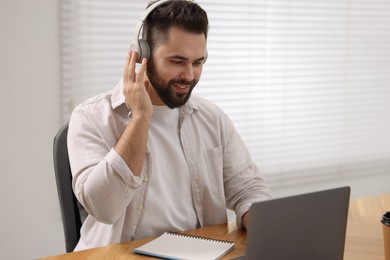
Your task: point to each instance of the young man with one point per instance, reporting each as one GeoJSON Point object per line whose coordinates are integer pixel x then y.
{"type": "Point", "coordinates": [148, 157]}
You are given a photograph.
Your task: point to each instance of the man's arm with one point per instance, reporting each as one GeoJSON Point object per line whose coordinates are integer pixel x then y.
{"type": "Point", "coordinates": [104, 170]}
{"type": "Point", "coordinates": [243, 183]}
{"type": "Point", "coordinates": [131, 146]}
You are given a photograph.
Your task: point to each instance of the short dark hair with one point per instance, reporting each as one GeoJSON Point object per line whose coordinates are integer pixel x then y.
{"type": "Point", "coordinates": [183, 14]}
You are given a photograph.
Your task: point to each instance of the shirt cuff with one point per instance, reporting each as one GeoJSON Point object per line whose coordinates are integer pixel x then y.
{"type": "Point", "coordinates": [241, 212]}
{"type": "Point", "coordinates": [121, 168]}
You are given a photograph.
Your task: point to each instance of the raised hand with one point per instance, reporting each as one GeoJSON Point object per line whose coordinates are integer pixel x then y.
{"type": "Point", "coordinates": [131, 146]}
{"type": "Point", "coordinates": [135, 88]}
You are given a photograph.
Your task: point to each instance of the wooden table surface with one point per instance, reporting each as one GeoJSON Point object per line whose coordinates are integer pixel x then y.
{"type": "Point", "coordinates": [364, 240]}
{"type": "Point", "coordinates": [364, 230]}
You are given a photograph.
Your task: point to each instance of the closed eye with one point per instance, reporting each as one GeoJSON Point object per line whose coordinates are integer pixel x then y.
{"type": "Point", "coordinates": [177, 61]}
{"type": "Point", "coordinates": [180, 61]}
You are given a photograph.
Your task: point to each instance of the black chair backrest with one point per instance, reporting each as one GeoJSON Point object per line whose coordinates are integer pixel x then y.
{"type": "Point", "coordinates": [69, 206]}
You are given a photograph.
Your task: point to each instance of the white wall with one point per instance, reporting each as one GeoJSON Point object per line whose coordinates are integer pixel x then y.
{"type": "Point", "coordinates": [30, 225]}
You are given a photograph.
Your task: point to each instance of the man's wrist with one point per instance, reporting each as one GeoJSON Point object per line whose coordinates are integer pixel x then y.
{"type": "Point", "coordinates": [139, 117]}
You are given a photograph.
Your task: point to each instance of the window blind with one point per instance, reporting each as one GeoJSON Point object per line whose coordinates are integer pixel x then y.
{"type": "Point", "coordinates": [306, 83]}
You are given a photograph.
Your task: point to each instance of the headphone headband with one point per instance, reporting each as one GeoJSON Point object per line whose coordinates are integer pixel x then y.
{"type": "Point", "coordinates": [139, 44]}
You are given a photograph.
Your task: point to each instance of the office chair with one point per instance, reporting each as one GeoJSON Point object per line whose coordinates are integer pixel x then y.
{"type": "Point", "coordinates": [73, 214]}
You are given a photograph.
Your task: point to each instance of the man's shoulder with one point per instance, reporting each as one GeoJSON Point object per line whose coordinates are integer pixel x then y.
{"type": "Point", "coordinates": [207, 109]}
{"type": "Point", "coordinates": [108, 100]}
{"type": "Point", "coordinates": [95, 102]}
{"type": "Point", "coordinates": [203, 104]}
{"type": "Point", "coordinates": [210, 114]}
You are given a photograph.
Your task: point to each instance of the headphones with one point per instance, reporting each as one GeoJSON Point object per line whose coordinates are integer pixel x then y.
{"type": "Point", "coordinates": [139, 44]}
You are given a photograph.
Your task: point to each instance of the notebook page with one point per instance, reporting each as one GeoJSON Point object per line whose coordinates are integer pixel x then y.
{"type": "Point", "coordinates": [178, 246]}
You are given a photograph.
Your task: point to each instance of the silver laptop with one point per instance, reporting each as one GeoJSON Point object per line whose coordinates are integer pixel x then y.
{"type": "Point", "coordinates": [309, 226]}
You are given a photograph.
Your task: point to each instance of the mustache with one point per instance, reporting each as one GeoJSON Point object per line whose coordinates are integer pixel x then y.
{"type": "Point", "coordinates": [184, 82]}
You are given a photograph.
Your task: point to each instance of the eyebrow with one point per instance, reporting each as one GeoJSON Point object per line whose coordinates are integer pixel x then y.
{"type": "Point", "coordinates": [179, 57]}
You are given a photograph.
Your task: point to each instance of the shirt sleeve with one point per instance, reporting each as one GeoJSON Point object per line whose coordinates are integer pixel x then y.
{"type": "Point", "coordinates": [243, 182]}
{"type": "Point", "coordinates": [102, 181]}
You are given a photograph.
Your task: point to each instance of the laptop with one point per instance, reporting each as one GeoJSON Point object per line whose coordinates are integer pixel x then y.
{"type": "Point", "coordinates": [309, 226]}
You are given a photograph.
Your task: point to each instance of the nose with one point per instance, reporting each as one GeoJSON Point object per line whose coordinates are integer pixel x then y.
{"type": "Point", "coordinates": [187, 73]}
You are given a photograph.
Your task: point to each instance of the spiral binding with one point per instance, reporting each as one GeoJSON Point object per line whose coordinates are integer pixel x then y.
{"type": "Point", "coordinates": [201, 237]}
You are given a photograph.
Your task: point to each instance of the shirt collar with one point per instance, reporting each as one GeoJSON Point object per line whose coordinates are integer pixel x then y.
{"type": "Point", "coordinates": [189, 107]}
{"type": "Point", "coordinates": [117, 97]}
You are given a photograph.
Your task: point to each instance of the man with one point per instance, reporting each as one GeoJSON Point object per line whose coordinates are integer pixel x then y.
{"type": "Point", "coordinates": [148, 157]}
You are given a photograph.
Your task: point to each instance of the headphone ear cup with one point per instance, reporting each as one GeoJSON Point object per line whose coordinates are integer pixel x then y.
{"type": "Point", "coordinates": [144, 50]}
{"type": "Point", "coordinates": [134, 47]}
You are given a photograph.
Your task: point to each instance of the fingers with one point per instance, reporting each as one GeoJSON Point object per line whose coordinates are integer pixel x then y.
{"type": "Point", "coordinates": [135, 88]}
{"type": "Point", "coordinates": [141, 72]}
{"type": "Point", "coordinates": [146, 84]}
{"type": "Point", "coordinates": [130, 68]}
{"type": "Point", "coordinates": [129, 72]}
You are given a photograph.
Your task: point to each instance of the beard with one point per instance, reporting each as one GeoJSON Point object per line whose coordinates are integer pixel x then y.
{"type": "Point", "coordinates": [166, 90]}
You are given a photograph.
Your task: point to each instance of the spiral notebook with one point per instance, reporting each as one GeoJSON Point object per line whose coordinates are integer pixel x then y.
{"type": "Point", "coordinates": [172, 245]}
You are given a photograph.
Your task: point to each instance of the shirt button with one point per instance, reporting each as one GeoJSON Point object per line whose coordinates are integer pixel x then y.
{"type": "Point", "coordinates": [140, 207]}
{"type": "Point", "coordinates": [146, 179]}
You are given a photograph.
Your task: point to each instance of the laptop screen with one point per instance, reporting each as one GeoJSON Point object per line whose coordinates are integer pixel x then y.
{"type": "Point", "coordinates": [304, 227]}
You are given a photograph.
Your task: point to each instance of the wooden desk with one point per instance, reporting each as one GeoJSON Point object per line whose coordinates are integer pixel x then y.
{"type": "Point", "coordinates": [364, 230]}
{"type": "Point", "coordinates": [364, 238]}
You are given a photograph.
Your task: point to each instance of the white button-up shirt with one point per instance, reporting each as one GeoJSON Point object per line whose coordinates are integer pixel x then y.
{"type": "Point", "coordinates": [221, 171]}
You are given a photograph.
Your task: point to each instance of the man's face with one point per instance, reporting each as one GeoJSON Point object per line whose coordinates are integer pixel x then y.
{"type": "Point", "coordinates": [175, 67]}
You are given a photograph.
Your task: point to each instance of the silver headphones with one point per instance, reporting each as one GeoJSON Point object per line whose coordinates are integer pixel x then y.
{"type": "Point", "coordinates": [139, 44]}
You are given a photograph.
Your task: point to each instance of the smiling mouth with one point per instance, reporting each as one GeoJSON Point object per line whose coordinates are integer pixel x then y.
{"type": "Point", "coordinates": [181, 88]}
